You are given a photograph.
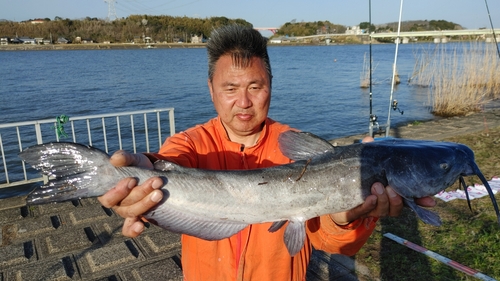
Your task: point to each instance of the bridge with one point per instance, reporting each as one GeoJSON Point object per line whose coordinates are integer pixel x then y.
{"type": "Point", "coordinates": [272, 29]}
{"type": "Point", "coordinates": [436, 33]}
{"type": "Point", "coordinates": [439, 35]}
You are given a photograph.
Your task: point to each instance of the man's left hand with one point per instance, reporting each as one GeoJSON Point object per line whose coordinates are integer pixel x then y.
{"type": "Point", "coordinates": [384, 201]}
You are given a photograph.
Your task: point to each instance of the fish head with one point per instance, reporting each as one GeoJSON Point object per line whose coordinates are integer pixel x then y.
{"type": "Point", "coordinates": [426, 168]}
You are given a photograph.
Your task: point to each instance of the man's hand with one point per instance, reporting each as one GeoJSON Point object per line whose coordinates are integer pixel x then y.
{"type": "Point", "coordinates": [130, 200]}
{"type": "Point", "coordinates": [384, 201]}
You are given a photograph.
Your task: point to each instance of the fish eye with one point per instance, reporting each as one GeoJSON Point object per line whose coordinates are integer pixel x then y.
{"type": "Point", "coordinates": [444, 166]}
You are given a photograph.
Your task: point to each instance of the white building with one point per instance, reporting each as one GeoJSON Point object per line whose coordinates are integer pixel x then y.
{"type": "Point", "coordinates": [354, 30]}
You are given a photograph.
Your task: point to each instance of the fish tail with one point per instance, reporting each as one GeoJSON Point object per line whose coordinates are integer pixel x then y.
{"type": "Point", "coordinates": [71, 169]}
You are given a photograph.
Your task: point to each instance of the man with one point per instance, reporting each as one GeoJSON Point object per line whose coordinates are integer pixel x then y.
{"type": "Point", "coordinates": [243, 137]}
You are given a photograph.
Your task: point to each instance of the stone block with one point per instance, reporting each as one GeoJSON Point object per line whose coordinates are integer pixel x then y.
{"type": "Point", "coordinates": [166, 269]}
{"type": "Point", "coordinates": [28, 228]}
{"type": "Point", "coordinates": [54, 208]}
{"type": "Point", "coordinates": [60, 269]}
{"type": "Point", "coordinates": [66, 242]}
{"type": "Point", "coordinates": [16, 254]}
{"type": "Point", "coordinates": [13, 214]}
{"type": "Point", "coordinates": [87, 215]}
{"type": "Point", "coordinates": [108, 257]}
{"type": "Point", "coordinates": [159, 243]}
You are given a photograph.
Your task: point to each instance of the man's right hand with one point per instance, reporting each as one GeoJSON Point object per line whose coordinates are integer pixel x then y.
{"type": "Point", "coordinates": [130, 200]}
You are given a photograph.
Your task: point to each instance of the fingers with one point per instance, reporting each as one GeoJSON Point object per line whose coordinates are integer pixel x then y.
{"type": "Point", "coordinates": [358, 212]}
{"type": "Point", "coordinates": [140, 207]}
{"type": "Point", "coordinates": [130, 202]}
{"type": "Point", "coordinates": [123, 158]}
{"type": "Point", "coordinates": [125, 194]}
{"type": "Point", "coordinates": [132, 227]}
{"type": "Point", "coordinates": [396, 202]}
{"type": "Point", "coordinates": [142, 191]}
{"type": "Point", "coordinates": [117, 193]}
{"type": "Point", "coordinates": [426, 201]}
{"type": "Point", "coordinates": [383, 202]}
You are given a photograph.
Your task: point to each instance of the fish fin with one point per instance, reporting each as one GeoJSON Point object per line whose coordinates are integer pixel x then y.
{"type": "Point", "coordinates": [302, 146]}
{"type": "Point", "coordinates": [55, 191]}
{"type": "Point", "coordinates": [71, 168]}
{"type": "Point", "coordinates": [191, 224]}
{"type": "Point", "coordinates": [425, 215]}
{"type": "Point", "coordinates": [295, 235]}
{"type": "Point", "coordinates": [277, 225]}
{"type": "Point", "coordinates": [163, 165]}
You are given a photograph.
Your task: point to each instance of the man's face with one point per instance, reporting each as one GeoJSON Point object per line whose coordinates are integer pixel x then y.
{"type": "Point", "coordinates": [241, 96]}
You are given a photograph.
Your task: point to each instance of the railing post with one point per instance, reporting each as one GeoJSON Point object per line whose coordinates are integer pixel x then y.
{"type": "Point", "coordinates": [172, 121]}
{"type": "Point", "coordinates": [38, 132]}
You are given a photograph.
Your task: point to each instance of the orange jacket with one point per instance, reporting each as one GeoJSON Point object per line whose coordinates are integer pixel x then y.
{"type": "Point", "coordinates": [254, 253]}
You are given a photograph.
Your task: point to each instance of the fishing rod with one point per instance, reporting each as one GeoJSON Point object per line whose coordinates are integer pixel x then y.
{"type": "Point", "coordinates": [393, 103]}
{"type": "Point", "coordinates": [492, 29]}
{"type": "Point", "coordinates": [451, 263]}
{"type": "Point", "coordinates": [373, 118]}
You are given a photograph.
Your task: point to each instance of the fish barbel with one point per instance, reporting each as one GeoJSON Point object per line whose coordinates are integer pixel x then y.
{"type": "Point", "coordinates": [213, 205]}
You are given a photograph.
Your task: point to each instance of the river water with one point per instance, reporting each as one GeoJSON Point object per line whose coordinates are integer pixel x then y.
{"type": "Point", "coordinates": [315, 88]}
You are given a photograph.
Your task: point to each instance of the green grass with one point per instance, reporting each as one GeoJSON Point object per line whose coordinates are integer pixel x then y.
{"type": "Point", "coordinates": [471, 238]}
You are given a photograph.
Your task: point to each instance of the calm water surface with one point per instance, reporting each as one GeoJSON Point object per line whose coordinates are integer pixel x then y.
{"type": "Point", "coordinates": [315, 88]}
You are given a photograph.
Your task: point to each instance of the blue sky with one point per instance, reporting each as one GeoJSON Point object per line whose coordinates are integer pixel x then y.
{"type": "Point", "coordinates": [265, 13]}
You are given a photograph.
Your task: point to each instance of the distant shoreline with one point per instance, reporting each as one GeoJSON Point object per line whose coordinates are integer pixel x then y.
{"type": "Point", "coordinates": [97, 46]}
{"type": "Point", "coordinates": [118, 46]}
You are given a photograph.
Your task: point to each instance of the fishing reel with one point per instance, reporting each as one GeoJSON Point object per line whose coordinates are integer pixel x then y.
{"type": "Point", "coordinates": [373, 121]}
{"type": "Point", "coordinates": [395, 107]}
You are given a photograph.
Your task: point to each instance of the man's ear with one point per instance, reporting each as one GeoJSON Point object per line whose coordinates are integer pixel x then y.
{"type": "Point", "coordinates": [211, 89]}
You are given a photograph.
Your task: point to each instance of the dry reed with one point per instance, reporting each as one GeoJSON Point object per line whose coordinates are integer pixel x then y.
{"type": "Point", "coordinates": [459, 82]}
{"type": "Point", "coordinates": [365, 75]}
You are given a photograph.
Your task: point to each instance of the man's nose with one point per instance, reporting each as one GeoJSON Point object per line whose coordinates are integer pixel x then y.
{"type": "Point", "coordinates": [244, 100]}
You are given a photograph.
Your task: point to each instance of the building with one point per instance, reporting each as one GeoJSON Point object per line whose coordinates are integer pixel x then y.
{"type": "Point", "coordinates": [62, 40]}
{"type": "Point", "coordinates": [4, 40]}
{"type": "Point", "coordinates": [137, 39]}
{"type": "Point", "coordinates": [37, 21]}
{"type": "Point", "coordinates": [27, 40]}
{"type": "Point", "coordinates": [197, 39]}
{"type": "Point", "coordinates": [354, 30]}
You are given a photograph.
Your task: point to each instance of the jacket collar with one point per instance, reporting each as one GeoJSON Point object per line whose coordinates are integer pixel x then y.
{"type": "Point", "coordinates": [234, 146]}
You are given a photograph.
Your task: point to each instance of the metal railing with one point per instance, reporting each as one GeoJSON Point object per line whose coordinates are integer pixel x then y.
{"type": "Point", "coordinates": [133, 131]}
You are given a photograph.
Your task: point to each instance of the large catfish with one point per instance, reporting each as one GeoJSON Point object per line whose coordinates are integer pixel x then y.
{"type": "Point", "coordinates": [214, 205]}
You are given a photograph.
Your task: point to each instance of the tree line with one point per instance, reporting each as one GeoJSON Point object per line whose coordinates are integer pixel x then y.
{"type": "Point", "coordinates": [172, 29]}
{"type": "Point", "coordinates": [159, 28]}
{"type": "Point", "coordinates": [294, 28]}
